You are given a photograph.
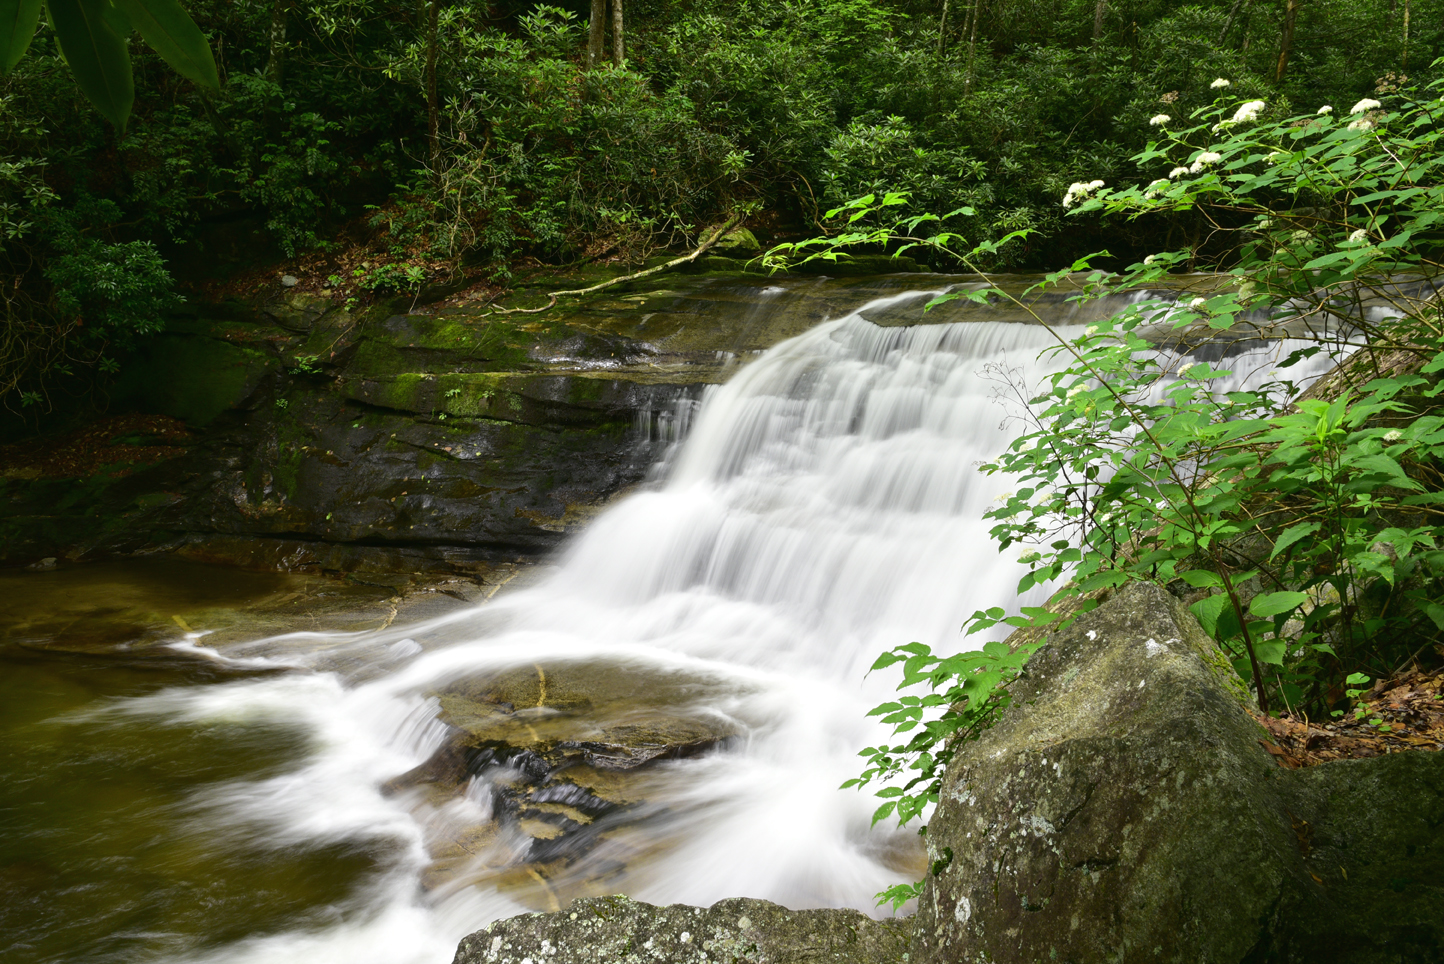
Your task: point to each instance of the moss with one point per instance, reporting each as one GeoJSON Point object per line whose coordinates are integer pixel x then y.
{"type": "Point", "coordinates": [192, 378]}
{"type": "Point", "coordinates": [291, 440]}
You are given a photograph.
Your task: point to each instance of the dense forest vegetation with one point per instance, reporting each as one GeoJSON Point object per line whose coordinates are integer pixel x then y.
{"type": "Point", "coordinates": [387, 146]}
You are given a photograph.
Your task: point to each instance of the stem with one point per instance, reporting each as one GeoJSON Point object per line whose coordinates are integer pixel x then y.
{"type": "Point", "coordinates": [1258, 680]}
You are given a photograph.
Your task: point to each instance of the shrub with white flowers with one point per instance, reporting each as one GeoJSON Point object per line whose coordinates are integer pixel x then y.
{"type": "Point", "coordinates": [1078, 190]}
{"type": "Point", "coordinates": [1309, 531]}
{"type": "Point", "coordinates": [1206, 159]}
{"type": "Point", "coordinates": [1248, 113]}
{"type": "Point", "coordinates": [1135, 465]}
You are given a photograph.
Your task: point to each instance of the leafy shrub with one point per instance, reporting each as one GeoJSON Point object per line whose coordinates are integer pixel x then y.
{"type": "Point", "coordinates": [1307, 530]}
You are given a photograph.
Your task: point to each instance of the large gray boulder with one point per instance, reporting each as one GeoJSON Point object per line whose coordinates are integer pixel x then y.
{"type": "Point", "coordinates": [617, 930]}
{"type": "Point", "coordinates": [1124, 810]}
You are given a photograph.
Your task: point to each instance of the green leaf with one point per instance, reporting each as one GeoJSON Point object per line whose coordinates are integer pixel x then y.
{"type": "Point", "coordinates": [172, 34]}
{"type": "Point", "coordinates": [1269, 604]}
{"type": "Point", "coordinates": [18, 20]}
{"type": "Point", "coordinates": [98, 58]}
{"type": "Point", "coordinates": [1207, 611]}
{"type": "Point", "coordinates": [1201, 579]}
{"type": "Point", "coordinates": [1291, 535]}
{"type": "Point", "coordinates": [1270, 651]}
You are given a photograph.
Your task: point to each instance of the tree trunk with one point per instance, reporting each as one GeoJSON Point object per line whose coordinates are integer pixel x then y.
{"type": "Point", "coordinates": [1404, 62]}
{"type": "Point", "coordinates": [1286, 47]}
{"type": "Point", "coordinates": [276, 55]}
{"type": "Point", "coordinates": [433, 108]}
{"type": "Point", "coordinates": [596, 33]}
{"type": "Point", "coordinates": [972, 47]}
{"type": "Point", "coordinates": [942, 26]}
{"type": "Point", "coordinates": [1099, 10]}
{"type": "Point", "coordinates": [1228, 24]}
{"type": "Point", "coordinates": [619, 52]}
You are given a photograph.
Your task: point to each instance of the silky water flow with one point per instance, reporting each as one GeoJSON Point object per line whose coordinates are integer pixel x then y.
{"type": "Point", "coordinates": [825, 506]}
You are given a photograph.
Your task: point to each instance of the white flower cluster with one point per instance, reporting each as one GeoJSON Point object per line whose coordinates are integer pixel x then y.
{"type": "Point", "coordinates": [1326, 109]}
{"type": "Point", "coordinates": [1183, 369]}
{"type": "Point", "coordinates": [1219, 83]}
{"type": "Point", "coordinates": [1156, 188]}
{"type": "Point", "coordinates": [1077, 191]}
{"type": "Point", "coordinates": [1158, 120]}
{"type": "Point", "coordinates": [1206, 159]}
{"type": "Point", "coordinates": [1248, 113]}
{"type": "Point", "coordinates": [1368, 103]}
{"type": "Point", "coordinates": [1178, 172]}
{"type": "Point", "coordinates": [1362, 124]}
{"type": "Point", "coordinates": [1075, 391]}
{"type": "Point", "coordinates": [1358, 235]}
{"type": "Point", "coordinates": [1197, 303]}
{"type": "Point", "coordinates": [1393, 435]}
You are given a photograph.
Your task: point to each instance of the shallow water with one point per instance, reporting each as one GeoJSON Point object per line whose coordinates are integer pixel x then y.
{"type": "Point", "coordinates": [823, 506]}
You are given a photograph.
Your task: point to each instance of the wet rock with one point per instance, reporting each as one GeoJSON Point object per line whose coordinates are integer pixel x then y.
{"type": "Point", "coordinates": [606, 715]}
{"type": "Point", "coordinates": [738, 243]}
{"type": "Point", "coordinates": [566, 764]}
{"type": "Point", "coordinates": [616, 930]}
{"type": "Point", "coordinates": [1124, 808]}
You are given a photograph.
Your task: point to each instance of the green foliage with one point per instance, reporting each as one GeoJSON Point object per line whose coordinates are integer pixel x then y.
{"type": "Point", "coordinates": [1309, 527]}
{"type": "Point", "coordinates": [92, 36]}
{"type": "Point", "coordinates": [967, 692]}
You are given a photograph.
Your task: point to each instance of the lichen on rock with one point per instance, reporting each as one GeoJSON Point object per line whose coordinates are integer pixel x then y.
{"type": "Point", "coordinates": [617, 930]}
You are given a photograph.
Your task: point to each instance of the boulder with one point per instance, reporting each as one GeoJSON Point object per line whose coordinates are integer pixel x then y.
{"type": "Point", "coordinates": [616, 930]}
{"type": "Point", "coordinates": [1124, 809]}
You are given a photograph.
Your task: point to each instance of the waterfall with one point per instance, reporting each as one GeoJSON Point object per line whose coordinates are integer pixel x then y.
{"type": "Point", "coordinates": [824, 506]}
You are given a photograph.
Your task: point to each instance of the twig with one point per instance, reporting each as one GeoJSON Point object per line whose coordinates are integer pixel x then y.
{"type": "Point", "coordinates": [685, 259]}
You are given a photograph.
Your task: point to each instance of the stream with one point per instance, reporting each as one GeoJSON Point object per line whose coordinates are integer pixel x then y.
{"type": "Point", "coordinates": [372, 796]}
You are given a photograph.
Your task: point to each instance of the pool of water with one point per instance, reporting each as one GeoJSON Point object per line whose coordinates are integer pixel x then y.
{"type": "Point", "coordinates": [106, 852]}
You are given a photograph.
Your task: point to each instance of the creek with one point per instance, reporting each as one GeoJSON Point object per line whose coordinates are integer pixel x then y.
{"type": "Point", "coordinates": [260, 802]}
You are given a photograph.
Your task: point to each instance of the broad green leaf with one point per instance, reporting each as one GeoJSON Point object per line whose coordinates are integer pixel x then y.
{"type": "Point", "coordinates": [1270, 651]}
{"type": "Point", "coordinates": [1269, 604]}
{"type": "Point", "coordinates": [97, 57]}
{"type": "Point", "coordinates": [1291, 535]}
{"type": "Point", "coordinates": [1201, 579]}
{"type": "Point", "coordinates": [1434, 611]}
{"type": "Point", "coordinates": [1207, 611]}
{"type": "Point", "coordinates": [18, 20]}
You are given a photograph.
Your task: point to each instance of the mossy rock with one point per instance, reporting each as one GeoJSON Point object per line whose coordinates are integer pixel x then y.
{"type": "Point", "coordinates": [192, 377]}
{"type": "Point", "coordinates": [1123, 808]}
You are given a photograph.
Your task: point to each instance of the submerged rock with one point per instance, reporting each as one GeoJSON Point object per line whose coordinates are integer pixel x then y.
{"type": "Point", "coordinates": [562, 766]}
{"type": "Point", "coordinates": [616, 930]}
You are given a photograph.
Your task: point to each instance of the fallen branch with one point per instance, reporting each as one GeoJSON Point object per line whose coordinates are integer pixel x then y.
{"type": "Point", "coordinates": [701, 249]}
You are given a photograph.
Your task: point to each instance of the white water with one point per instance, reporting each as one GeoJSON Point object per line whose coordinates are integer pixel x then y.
{"type": "Point", "coordinates": [826, 506]}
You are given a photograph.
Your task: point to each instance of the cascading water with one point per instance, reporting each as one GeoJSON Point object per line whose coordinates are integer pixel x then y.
{"type": "Point", "coordinates": [825, 506]}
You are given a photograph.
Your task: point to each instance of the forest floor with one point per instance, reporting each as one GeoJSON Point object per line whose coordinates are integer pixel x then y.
{"type": "Point", "coordinates": [1405, 712]}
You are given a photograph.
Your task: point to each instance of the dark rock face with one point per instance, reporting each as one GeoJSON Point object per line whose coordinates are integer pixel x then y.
{"type": "Point", "coordinates": [381, 440]}
{"type": "Point", "coordinates": [616, 930]}
{"type": "Point", "coordinates": [1124, 810]}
